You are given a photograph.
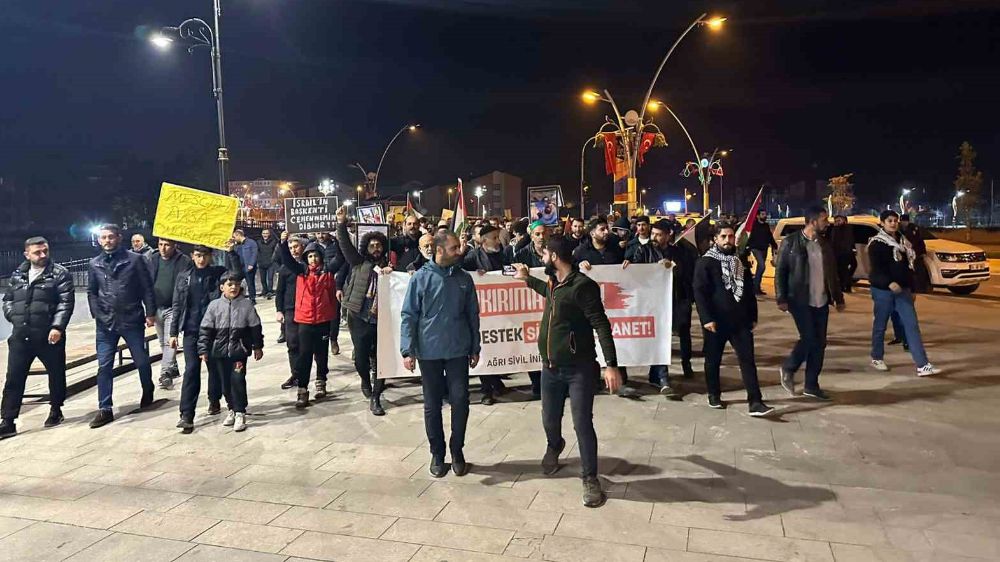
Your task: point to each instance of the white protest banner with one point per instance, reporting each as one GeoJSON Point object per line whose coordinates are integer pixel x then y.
{"type": "Point", "coordinates": [637, 300]}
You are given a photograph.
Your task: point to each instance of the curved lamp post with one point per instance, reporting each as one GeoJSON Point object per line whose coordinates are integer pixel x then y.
{"type": "Point", "coordinates": [378, 170]}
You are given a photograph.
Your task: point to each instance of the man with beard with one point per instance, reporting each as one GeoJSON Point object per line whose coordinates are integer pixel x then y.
{"type": "Point", "coordinates": [531, 256]}
{"type": "Point", "coordinates": [761, 239]}
{"type": "Point", "coordinates": [38, 304]}
{"type": "Point", "coordinates": [246, 248]}
{"type": "Point", "coordinates": [440, 330]}
{"type": "Point", "coordinates": [728, 312]}
{"type": "Point", "coordinates": [487, 257]}
{"type": "Point", "coordinates": [641, 239]}
{"type": "Point", "coordinates": [120, 295]}
{"type": "Point", "coordinates": [195, 289]}
{"type": "Point", "coordinates": [267, 261]}
{"type": "Point", "coordinates": [407, 245]}
{"type": "Point", "coordinates": [139, 245]}
{"type": "Point", "coordinates": [805, 283]}
{"type": "Point", "coordinates": [599, 249]}
{"type": "Point", "coordinates": [842, 243]}
{"type": "Point", "coordinates": [577, 230]}
{"type": "Point", "coordinates": [681, 257]}
{"type": "Point", "coordinates": [573, 312]}
{"type": "Point", "coordinates": [360, 298]}
{"type": "Point", "coordinates": [165, 267]}
{"type": "Point", "coordinates": [426, 246]}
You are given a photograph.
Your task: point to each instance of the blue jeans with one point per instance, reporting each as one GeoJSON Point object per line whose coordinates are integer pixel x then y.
{"type": "Point", "coordinates": [887, 303]}
{"type": "Point", "coordinates": [107, 346]}
{"type": "Point", "coordinates": [267, 278]}
{"type": "Point", "coordinates": [759, 256]}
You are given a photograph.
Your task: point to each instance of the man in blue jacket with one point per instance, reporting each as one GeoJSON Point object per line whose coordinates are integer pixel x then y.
{"type": "Point", "coordinates": [440, 328]}
{"type": "Point", "coordinates": [119, 290]}
{"type": "Point", "coordinates": [246, 249]}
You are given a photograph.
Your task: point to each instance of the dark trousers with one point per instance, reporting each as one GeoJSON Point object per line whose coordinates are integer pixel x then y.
{"type": "Point", "coordinates": [536, 381]}
{"type": "Point", "coordinates": [579, 383]}
{"type": "Point", "coordinates": [811, 323]}
{"type": "Point", "coordinates": [846, 264]}
{"type": "Point", "coordinates": [335, 324]}
{"type": "Point", "coordinates": [760, 257]}
{"type": "Point", "coordinates": [234, 384]}
{"type": "Point", "coordinates": [742, 341]}
{"type": "Point", "coordinates": [313, 342]}
{"type": "Point", "coordinates": [22, 351]}
{"type": "Point", "coordinates": [267, 278]}
{"type": "Point", "coordinates": [490, 384]}
{"type": "Point", "coordinates": [251, 278]}
{"type": "Point", "coordinates": [682, 327]}
{"type": "Point", "coordinates": [191, 384]}
{"type": "Point", "coordinates": [107, 347]}
{"type": "Point", "coordinates": [364, 335]}
{"type": "Point", "coordinates": [441, 377]}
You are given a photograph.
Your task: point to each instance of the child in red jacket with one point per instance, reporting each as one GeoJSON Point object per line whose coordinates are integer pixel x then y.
{"type": "Point", "coordinates": [315, 306]}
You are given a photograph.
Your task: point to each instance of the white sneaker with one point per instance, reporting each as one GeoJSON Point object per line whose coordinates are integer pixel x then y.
{"type": "Point", "coordinates": [230, 419]}
{"type": "Point", "coordinates": [928, 370]}
{"type": "Point", "coordinates": [240, 423]}
{"type": "Point", "coordinates": [879, 365]}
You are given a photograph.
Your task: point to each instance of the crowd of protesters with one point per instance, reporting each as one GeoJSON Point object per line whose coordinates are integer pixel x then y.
{"type": "Point", "coordinates": [203, 305]}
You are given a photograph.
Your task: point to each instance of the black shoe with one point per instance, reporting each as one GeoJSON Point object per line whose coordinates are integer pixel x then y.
{"type": "Point", "coordinates": [906, 346]}
{"type": "Point", "coordinates": [668, 391]}
{"type": "Point", "coordinates": [688, 371]}
{"type": "Point", "coordinates": [302, 399]}
{"type": "Point", "coordinates": [186, 423]}
{"type": "Point", "coordinates": [716, 402]}
{"type": "Point", "coordinates": [166, 382]}
{"type": "Point", "coordinates": [320, 390]}
{"type": "Point", "coordinates": [366, 389]}
{"type": "Point", "coordinates": [895, 341]}
{"type": "Point", "coordinates": [787, 380]}
{"type": "Point", "coordinates": [625, 391]}
{"type": "Point", "coordinates": [103, 417]}
{"type": "Point", "coordinates": [437, 467]}
{"type": "Point", "coordinates": [147, 398]}
{"type": "Point", "coordinates": [214, 407]}
{"type": "Point", "coordinates": [458, 465]}
{"type": "Point", "coordinates": [818, 394]}
{"type": "Point", "coordinates": [376, 406]}
{"type": "Point", "coordinates": [55, 417]}
{"type": "Point", "coordinates": [760, 409]}
{"type": "Point", "coordinates": [281, 339]}
{"type": "Point", "coordinates": [487, 399]}
{"type": "Point", "coordinates": [593, 495]}
{"type": "Point", "coordinates": [550, 462]}
{"type": "Point", "coordinates": [334, 348]}
{"type": "Point", "coordinates": [7, 429]}
{"type": "Point", "coordinates": [536, 396]}
{"type": "Point", "coordinates": [290, 382]}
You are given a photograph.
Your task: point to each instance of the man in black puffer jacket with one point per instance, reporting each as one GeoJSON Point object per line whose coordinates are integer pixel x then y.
{"type": "Point", "coordinates": [38, 304]}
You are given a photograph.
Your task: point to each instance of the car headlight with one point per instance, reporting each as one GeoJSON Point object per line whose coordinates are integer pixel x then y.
{"type": "Point", "coordinates": [947, 257]}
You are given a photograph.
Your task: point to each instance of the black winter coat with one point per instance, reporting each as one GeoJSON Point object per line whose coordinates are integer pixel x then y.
{"type": "Point", "coordinates": [119, 288]}
{"type": "Point", "coordinates": [266, 249]}
{"type": "Point", "coordinates": [717, 304]}
{"type": "Point", "coordinates": [683, 255]}
{"type": "Point", "coordinates": [34, 309]}
{"type": "Point", "coordinates": [183, 287]}
{"type": "Point", "coordinates": [761, 237]}
{"type": "Point", "coordinates": [885, 270]}
{"type": "Point", "coordinates": [612, 254]}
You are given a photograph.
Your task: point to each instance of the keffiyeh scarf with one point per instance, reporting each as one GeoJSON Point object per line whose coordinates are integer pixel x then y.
{"type": "Point", "coordinates": [732, 271]}
{"type": "Point", "coordinates": [900, 248]}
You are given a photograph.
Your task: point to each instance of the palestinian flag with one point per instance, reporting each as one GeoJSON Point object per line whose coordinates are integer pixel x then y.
{"type": "Point", "coordinates": [459, 224]}
{"type": "Point", "coordinates": [699, 233]}
{"type": "Point", "coordinates": [743, 232]}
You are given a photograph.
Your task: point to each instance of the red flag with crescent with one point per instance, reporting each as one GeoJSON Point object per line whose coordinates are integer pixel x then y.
{"type": "Point", "coordinates": [645, 144]}
{"type": "Point", "coordinates": [610, 152]}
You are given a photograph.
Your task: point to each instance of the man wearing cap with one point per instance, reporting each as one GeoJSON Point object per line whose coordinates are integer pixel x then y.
{"type": "Point", "coordinates": [642, 230]}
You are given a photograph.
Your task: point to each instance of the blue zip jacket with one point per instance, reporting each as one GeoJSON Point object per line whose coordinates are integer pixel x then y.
{"type": "Point", "coordinates": [440, 314]}
{"type": "Point", "coordinates": [247, 251]}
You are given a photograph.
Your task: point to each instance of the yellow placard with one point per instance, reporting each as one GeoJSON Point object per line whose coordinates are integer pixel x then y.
{"type": "Point", "coordinates": [194, 216]}
{"type": "Point", "coordinates": [446, 214]}
{"type": "Point", "coordinates": [508, 215]}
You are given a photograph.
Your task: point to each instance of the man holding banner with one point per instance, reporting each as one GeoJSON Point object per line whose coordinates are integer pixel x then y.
{"type": "Point", "coordinates": [573, 312]}
{"type": "Point", "coordinates": [440, 329]}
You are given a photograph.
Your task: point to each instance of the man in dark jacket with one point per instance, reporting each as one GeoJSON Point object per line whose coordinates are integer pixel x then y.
{"type": "Point", "coordinates": [573, 312]}
{"type": "Point", "coordinates": [165, 266]}
{"type": "Point", "coordinates": [122, 303]}
{"type": "Point", "coordinates": [267, 263]}
{"type": "Point", "coordinates": [728, 314]}
{"type": "Point", "coordinates": [440, 329]}
{"type": "Point", "coordinates": [487, 257]}
{"type": "Point", "coordinates": [38, 304]}
{"type": "Point", "coordinates": [246, 248]}
{"type": "Point", "coordinates": [641, 239]}
{"type": "Point", "coordinates": [805, 283]}
{"type": "Point", "coordinates": [139, 245]}
{"type": "Point", "coordinates": [600, 248]}
{"type": "Point", "coordinates": [759, 241]}
{"type": "Point", "coordinates": [407, 245]}
{"type": "Point", "coordinates": [842, 243]}
{"type": "Point", "coordinates": [360, 298]}
{"type": "Point", "coordinates": [531, 256]}
{"type": "Point", "coordinates": [195, 289]}
{"type": "Point", "coordinates": [892, 259]}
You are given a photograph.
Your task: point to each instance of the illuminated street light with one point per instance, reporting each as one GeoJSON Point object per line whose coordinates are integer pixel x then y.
{"type": "Point", "coordinates": [902, 199]}
{"type": "Point", "coordinates": [715, 23]}
{"type": "Point", "coordinates": [160, 40]}
{"type": "Point", "coordinates": [411, 127]}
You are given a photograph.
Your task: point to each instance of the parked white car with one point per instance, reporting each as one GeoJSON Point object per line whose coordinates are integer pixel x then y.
{"type": "Point", "coordinates": [956, 266]}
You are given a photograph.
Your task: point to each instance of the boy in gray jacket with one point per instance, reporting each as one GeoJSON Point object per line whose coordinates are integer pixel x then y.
{"type": "Point", "coordinates": [229, 331]}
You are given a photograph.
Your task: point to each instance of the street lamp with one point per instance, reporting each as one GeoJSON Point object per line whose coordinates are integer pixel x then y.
{"type": "Point", "coordinates": [902, 200]}
{"type": "Point", "coordinates": [450, 191]}
{"type": "Point", "coordinates": [359, 190]}
{"type": "Point", "coordinates": [641, 193]}
{"type": "Point", "coordinates": [954, 206]}
{"type": "Point", "coordinates": [704, 173]}
{"type": "Point", "coordinates": [198, 33]}
{"type": "Point", "coordinates": [479, 200]}
{"type": "Point", "coordinates": [378, 170]}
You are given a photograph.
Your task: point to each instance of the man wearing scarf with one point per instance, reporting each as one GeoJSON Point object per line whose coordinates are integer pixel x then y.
{"type": "Point", "coordinates": [891, 259]}
{"type": "Point", "coordinates": [728, 312]}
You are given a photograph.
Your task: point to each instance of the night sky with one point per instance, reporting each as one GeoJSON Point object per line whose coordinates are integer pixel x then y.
{"type": "Point", "coordinates": [800, 90]}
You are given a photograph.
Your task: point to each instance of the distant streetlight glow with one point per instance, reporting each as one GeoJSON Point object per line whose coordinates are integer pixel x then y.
{"type": "Point", "coordinates": [591, 96]}
{"type": "Point", "coordinates": [161, 41]}
{"type": "Point", "coordinates": [715, 23]}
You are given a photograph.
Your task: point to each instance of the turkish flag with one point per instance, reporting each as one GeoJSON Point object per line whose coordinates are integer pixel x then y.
{"type": "Point", "coordinates": [610, 152]}
{"type": "Point", "coordinates": [645, 144]}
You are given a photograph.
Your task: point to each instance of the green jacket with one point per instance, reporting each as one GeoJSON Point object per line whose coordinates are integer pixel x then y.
{"type": "Point", "coordinates": [573, 312]}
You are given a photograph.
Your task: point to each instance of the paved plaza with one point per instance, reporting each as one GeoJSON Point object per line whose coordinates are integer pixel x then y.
{"type": "Point", "coordinates": [895, 469]}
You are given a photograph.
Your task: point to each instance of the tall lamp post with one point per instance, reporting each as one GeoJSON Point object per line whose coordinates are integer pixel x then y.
{"type": "Point", "coordinates": [631, 136]}
{"type": "Point", "coordinates": [479, 200]}
{"type": "Point", "coordinates": [378, 170]}
{"type": "Point", "coordinates": [902, 199]}
{"type": "Point", "coordinates": [198, 33]}
{"type": "Point", "coordinates": [450, 191]}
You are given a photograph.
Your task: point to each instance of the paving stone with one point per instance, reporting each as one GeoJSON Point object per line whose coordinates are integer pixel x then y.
{"type": "Point", "coordinates": [10, 525]}
{"type": "Point", "coordinates": [335, 522]}
{"type": "Point", "coordinates": [569, 549]}
{"type": "Point", "coordinates": [199, 485]}
{"type": "Point", "coordinates": [230, 510]}
{"type": "Point", "coordinates": [864, 533]}
{"type": "Point", "coordinates": [321, 546]}
{"type": "Point", "coordinates": [48, 542]}
{"type": "Point", "coordinates": [499, 517]}
{"type": "Point", "coordinates": [27, 507]}
{"type": "Point", "coordinates": [377, 484]}
{"type": "Point", "coordinates": [120, 546]}
{"type": "Point", "coordinates": [395, 506]}
{"type": "Point", "coordinates": [448, 535]}
{"type": "Point", "coordinates": [96, 515]}
{"type": "Point", "coordinates": [208, 553]}
{"type": "Point", "coordinates": [49, 488]}
{"type": "Point", "coordinates": [282, 475]}
{"type": "Point", "coordinates": [481, 495]}
{"type": "Point", "coordinates": [660, 555]}
{"type": "Point", "coordinates": [165, 525]}
{"type": "Point", "coordinates": [36, 468]}
{"type": "Point", "coordinates": [111, 475]}
{"type": "Point", "coordinates": [438, 554]}
{"type": "Point", "coordinates": [287, 494]}
{"type": "Point", "coordinates": [572, 503]}
{"type": "Point", "coordinates": [260, 538]}
{"type": "Point", "coordinates": [965, 545]}
{"type": "Point", "coordinates": [623, 531]}
{"type": "Point", "coordinates": [859, 553]}
{"type": "Point", "coordinates": [758, 546]}
{"type": "Point", "coordinates": [144, 498]}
